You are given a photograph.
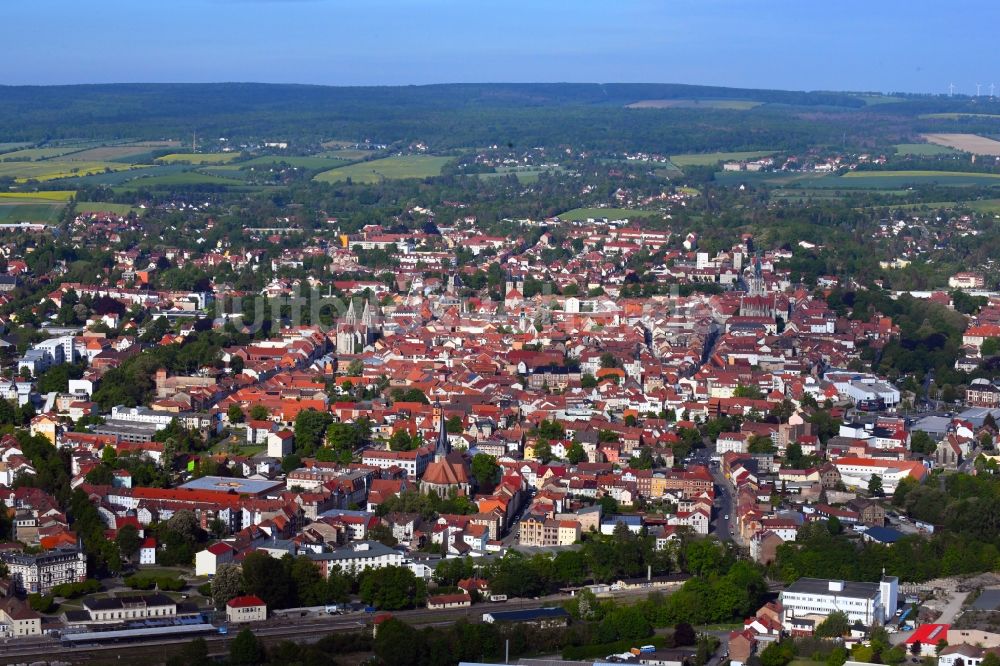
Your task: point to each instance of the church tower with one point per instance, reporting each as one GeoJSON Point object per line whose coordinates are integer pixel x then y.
{"type": "Point", "coordinates": [443, 447]}
{"type": "Point", "coordinates": [757, 285]}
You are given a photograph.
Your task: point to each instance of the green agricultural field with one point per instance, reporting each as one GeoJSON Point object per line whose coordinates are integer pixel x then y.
{"type": "Point", "coordinates": [109, 153]}
{"type": "Point", "coordinates": [103, 207]}
{"type": "Point", "coordinates": [33, 154]}
{"type": "Point", "coordinates": [771, 178]}
{"type": "Point", "coordinates": [198, 158]}
{"type": "Point", "coordinates": [984, 205]}
{"type": "Point", "coordinates": [956, 116]}
{"type": "Point", "coordinates": [524, 176]}
{"type": "Point", "coordinates": [389, 168]}
{"type": "Point", "coordinates": [55, 169]}
{"type": "Point", "coordinates": [307, 162]}
{"type": "Point", "coordinates": [182, 178]}
{"type": "Point", "coordinates": [349, 154]}
{"type": "Point", "coordinates": [53, 196]}
{"type": "Point", "coordinates": [923, 149]}
{"type": "Point", "coordinates": [897, 179]}
{"type": "Point", "coordinates": [46, 213]}
{"type": "Point", "coordinates": [583, 214]}
{"type": "Point", "coordinates": [119, 177]}
{"type": "Point", "coordinates": [708, 159]}
{"type": "Point", "coordinates": [13, 145]}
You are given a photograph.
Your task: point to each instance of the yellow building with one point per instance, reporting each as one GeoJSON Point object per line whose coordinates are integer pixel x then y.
{"type": "Point", "coordinates": [46, 426]}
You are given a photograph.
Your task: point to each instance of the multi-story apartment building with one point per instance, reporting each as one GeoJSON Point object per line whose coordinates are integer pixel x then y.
{"type": "Point", "coordinates": [40, 573]}
{"type": "Point", "coordinates": [413, 462]}
{"type": "Point", "coordinates": [357, 557]}
{"type": "Point", "coordinates": [537, 531]}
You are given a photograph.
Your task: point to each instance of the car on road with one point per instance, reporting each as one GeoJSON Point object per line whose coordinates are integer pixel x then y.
{"type": "Point", "coordinates": [726, 517]}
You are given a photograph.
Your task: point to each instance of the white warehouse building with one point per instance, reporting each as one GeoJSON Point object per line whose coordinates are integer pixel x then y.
{"type": "Point", "coordinates": [868, 603]}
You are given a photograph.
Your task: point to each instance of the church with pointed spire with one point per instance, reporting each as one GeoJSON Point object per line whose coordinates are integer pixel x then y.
{"type": "Point", "coordinates": [449, 471]}
{"type": "Point", "coordinates": [354, 333]}
{"type": "Point", "coordinates": [757, 302]}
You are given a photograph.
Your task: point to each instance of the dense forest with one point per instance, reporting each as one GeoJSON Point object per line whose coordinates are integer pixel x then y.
{"type": "Point", "coordinates": [591, 116]}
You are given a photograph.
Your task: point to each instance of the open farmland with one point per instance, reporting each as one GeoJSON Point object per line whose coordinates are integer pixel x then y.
{"type": "Point", "coordinates": [583, 214]}
{"type": "Point", "coordinates": [388, 168]}
{"type": "Point", "coordinates": [923, 149]}
{"type": "Point", "coordinates": [349, 154]}
{"type": "Point", "coordinates": [30, 212]}
{"type": "Point", "coordinates": [708, 159]}
{"type": "Point", "coordinates": [109, 153]}
{"type": "Point", "coordinates": [52, 196]}
{"type": "Point", "coordinates": [307, 162]}
{"type": "Point", "coordinates": [524, 175]}
{"type": "Point", "coordinates": [34, 154]}
{"type": "Point", "coordinates": [968, 143]}
{"type": "Point", "coordinates": [985, 206]}
{"type": "Point", "coordinates": [13, 145]}
{"type": "Point", "coordinates": [773, 178]}
{"type": "Point", "coordinates": [727, 104]}
{"type": "Point", "coordinates": [103, 207]}
{"type": "Point", "coordinates": [182, 178]}
{"type": "Point", "coordinates": [55, 169]}
{"type": "Point", "coordinates": [198, 158]}
{"type": "Point", "coordinates": [897, 179]}
{"type": "Point", "coordinates": [956, 116]}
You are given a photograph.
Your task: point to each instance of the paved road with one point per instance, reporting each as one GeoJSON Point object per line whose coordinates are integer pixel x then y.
{"type": "Point", "coordinates": [721, 526]}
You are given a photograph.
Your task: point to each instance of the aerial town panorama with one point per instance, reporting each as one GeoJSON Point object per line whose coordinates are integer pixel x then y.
{"type": "Point", "coordinates": [499, 373]}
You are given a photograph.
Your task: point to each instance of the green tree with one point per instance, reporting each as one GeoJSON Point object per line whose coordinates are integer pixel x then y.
{"type": "Point", "coordinates": [454, 426]}
{"type": "Point", "coordinates": [875, 486]}
{"type": "Point", "coordinates": [485, 469]}
{"type": "Point", "coordinates": [399, 644]}
{"type": "Point", "coordinates": [259, 412]}
{"type": "Point", "coordinates": [835, 625]}
{"type": "Point", "coordinates": [543, 451]}
{"type": "Point", "coordinates": [588, 381]}
{"type": "Point", "coordinates": [268, 579]}
{"type": "Point", "coordinates": [921, 442]}
{"type": "Point", "coordinates": [401, 441]}
{"type": "Point", "coordinates": [684, 634]}
{"type": "Point", "coordinates": [227, 584]}
{"type": "Point", "coordinates": [704, 557]}
{"type": "Point", "coordinates": [235, 413]}
{"type": "Point", "coordinates": [246, 650]}
{"type": "Point", "coordinates": [576, 453]}
{"type": "Point", "coordinates": [291, 462]}
{"type": "Point", "coordinates": [392, 588]}
{"type": "Point", "coordinates": [777, 654]}
{"type": "Point", "coordinates": [128, 541]}
{"type": "Point", "coordinates": [355, 368]}
{"type": "Point", "coordinates": [310, 429]}
{"type": "Point", "coordinates": [762, 444]}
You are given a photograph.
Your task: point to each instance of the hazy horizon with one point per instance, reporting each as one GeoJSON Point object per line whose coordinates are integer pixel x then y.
{"type": "Point", "coordinates": [890, 46]}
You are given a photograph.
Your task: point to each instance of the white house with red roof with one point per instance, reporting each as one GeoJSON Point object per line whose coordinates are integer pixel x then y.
{"type": "Point", "coordinates": [247, 608]}
{"type": "Point", "coordinates": [147, 551]}
{"type": "Point", "coordinates": [206, 562]}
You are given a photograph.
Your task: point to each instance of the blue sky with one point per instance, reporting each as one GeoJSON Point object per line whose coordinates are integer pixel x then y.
{"type": "Point", "coordinates": [884, 45]}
